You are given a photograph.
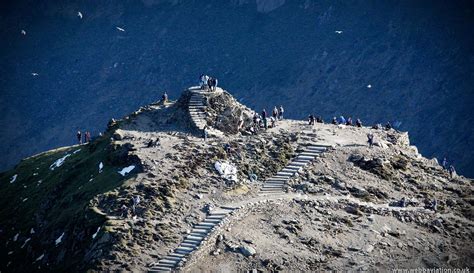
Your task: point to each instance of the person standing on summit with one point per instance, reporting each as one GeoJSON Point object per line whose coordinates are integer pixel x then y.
{"type": "Point", "coordinates": [280, 112]}
{"type": "Point", "coordinates": [264, 118]}
{"type": "Point", "coordinates": [79, 137]}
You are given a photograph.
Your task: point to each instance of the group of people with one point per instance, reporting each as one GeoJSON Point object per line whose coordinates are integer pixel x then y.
{"type": "Point", "coordinates": [86, 135]}
{"type": "Point", "coordinates": [207, 83]}
{"type": "Point", "coordinates": [263, 120]}
{"type": "Point", "coordinates": [348, 121]}
{"type": "Point", "coordinates": [313, 119]}
{"type": "Point", "coordinates": [448, 167]}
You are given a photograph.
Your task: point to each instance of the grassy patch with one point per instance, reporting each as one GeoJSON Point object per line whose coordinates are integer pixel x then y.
{"type": "Point", "coordinates": [52, 202]}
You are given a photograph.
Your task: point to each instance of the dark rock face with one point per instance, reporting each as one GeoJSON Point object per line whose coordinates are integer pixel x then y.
{"type": "Point", "coordinates": [416, 56]}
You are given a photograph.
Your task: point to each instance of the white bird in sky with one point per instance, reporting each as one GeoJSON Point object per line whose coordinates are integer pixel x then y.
{"type": "Point", "coordinates": [79, 14]}
{"type": "Point", "coordinates": [121, 29]}
{"type": "Point", "coordinates": [369, 86]}
{"type": "Point", "coordinates": [23, 32]}
{"type": "Point", "coordinates": [34, 74]}
{"type": "Point", "coordinates": [338, 31]}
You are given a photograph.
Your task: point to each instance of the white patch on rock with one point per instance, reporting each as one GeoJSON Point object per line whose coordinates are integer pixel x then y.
{"type": "Point", "coordinates": [16, 237]}
{"type": "Point", "coordinates": [32, 231]}
{"type": "Point", "coordinates": [226, 170]}
{"type": "Point", "coordinates": [13, 179]}
{"type": "Point", "coordinates": [59, 162]}
{"type": "Point", "coordinates": [26, 241]}
{"type": "Point", "coordinates": [24, 200]}
{"type": "Point", "coordinates": [39, 258]}
{"type": "Point", "coordinates": [101, 167]}
{"type": "Point", "coordinates": [58, 241]}
{"type": "Point", "coordinates": [95, 234]}
{"type": "Point", "coordinates": [126, 170]}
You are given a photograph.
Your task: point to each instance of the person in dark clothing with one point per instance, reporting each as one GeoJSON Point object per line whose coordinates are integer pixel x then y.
{"type": "Point", "coordinates": [79, 137]}
{"type": "Point", "coordinates": [358, 123]}
{"type": "Point", "coordinates": [388, 126]}
{"type": "Point", "coordinates": [370, 139]}
{"type": "Point", "coordinates": [87, 137]}
{"type": "Point", "coordinates": [319, 119]}
{"type": "Point", "coordinates": [444, 163]}
{"type": "Point", "coordinates": [204, 132]}
{"type": "Point", "coordinates": [334, 121]}
{"type": "Point", "coordinates": [349, 121]}
{"type": "Point", "coordinates": [264, 118]}
{"type": "Point", "coordinates": [164, 98]}
{"type": "Point", "coordinates": [311, 119]}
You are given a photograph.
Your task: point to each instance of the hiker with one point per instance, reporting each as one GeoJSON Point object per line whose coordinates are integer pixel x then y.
{"type": "Point", "coordinates": [212, 83]}
{"type": "Point", "coordinates": [349, 121]}
{"type": "Point", "coordinates": [444, 163]}
{"type": "Point", "coordinates": [272, 122]}
{"type": "Point", "coordinates": [79, 137]}
{"type": "Point", "coordinates": [358, 123]}
{"type": "Point", "coordinates": [280, 112]}
{"type": "Point", "coordinates": [452, 171]}
{"type": "Point", "coordinates": [388, 126]}
{"type": "Point", "coordinates": [209, 83]}
{"type": "Point", "coordinates": [255, 120]}
{"type": "Point", "coordinates": [334, 121]}
{"type": "Point", "coordinates": [241, 123]}
{"type": "Point", "coordinates": [135, 202]}
{"type": "Point", "coordinates": [164, 98]}
{"type": "Point", "coordinates": [204, 132]}
{"type": "Point", "coordinates": [204, 81]}
{"type": "Point", "coordinates": [342, 120]}
{"type": "Point", "coordinates": [319, 119]}
{"type": "Point", "coordinates": [227, 148]}
{"type": "Point", "coordinates": [311, 119]}
{"type": "Point", "coordinates": [264, 118]}
{"type": "Point", "coordinates": [87, 137]}
{"type": "Point", "coordinates": [124, 211]}
{"type": "Point", "coordinates": [275, 113]}
{"type": "Point", "coordinates": [370, 139]}
{"type": "Point", "coordinates": [377, 126]}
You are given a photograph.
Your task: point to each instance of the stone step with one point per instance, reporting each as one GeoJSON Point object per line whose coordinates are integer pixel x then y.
{"type": "Point", "coordinates": [173, 258]}
{"type": "Point", "coordinates": [309, 154]}
{"type": "Point", "coordinates": [211, 220]}
{"type": "Point", "coordinates": [305, 157]}
{"type": "Point", "coordinates": [297, 164]}
{"type": "Point", "coordinates": [289, 166]}
{"type": "Point", "coordinates": [183, 250]}
{"type": "Point", "coordinates": [199, 230]}
{"type": "Point", "coordinates": [211, 225]}
{"type": "Point", "coordinates": [197, 234]}
{"type": "Point", "coordinates": [167, 262]}
{"type": "Point", "coordinates": [273, 185]}
{"type": "Point", "coordinates": [216, 216]}
{"type": "Point", "coordinates": [266, 187]}
{"type": "Point", "coordinates": [176, 255]}
{"type": "Point", "coordinates": [289, 170]}
{"type": "Point", "coordinates": [196, 238]}
{"type": "Point", "coordinates": [157, 269]}
{"type": "Point", "coordinates": [285, 173]}
{"type": "Point", "coordinates": [275, 182]}
{"type": "Point", "coordinates": [189, 244]}
{"type": "Point", "coordinates": [203, 227]}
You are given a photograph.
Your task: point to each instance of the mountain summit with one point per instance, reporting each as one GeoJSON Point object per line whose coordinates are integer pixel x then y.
{"type": "Point", "coordinates": [152, 194]}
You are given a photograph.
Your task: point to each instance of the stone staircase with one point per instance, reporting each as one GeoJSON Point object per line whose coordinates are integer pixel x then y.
{"type": "Point", "coordinates": [193, 240]}
{"type": "Point", "coordinates": [216, 218]}
{"type": "Point", "coordinates": [197, 112]}
{"type": "Point", "coordinates": [275, 184]}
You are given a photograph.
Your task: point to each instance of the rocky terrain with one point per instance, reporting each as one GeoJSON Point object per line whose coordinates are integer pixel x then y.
{"type": "Point", "coordinates": [71, 72]}
{"type": "Point", "coordinates": [297, 198]}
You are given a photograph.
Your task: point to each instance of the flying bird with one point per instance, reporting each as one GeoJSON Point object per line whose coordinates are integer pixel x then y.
{"type": "Point", "coordinates": [338, 31]}
{"type": "Point", "coordinates": [79, 14]}
{"type": "Point", "coordinates": [121, 29]}
{"type": "Point", "coordinates": [369, 86]}
{"type": "Point", "coordinates": [34, 74]}
{"type": "Point", "coordinates": [23, 32]}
